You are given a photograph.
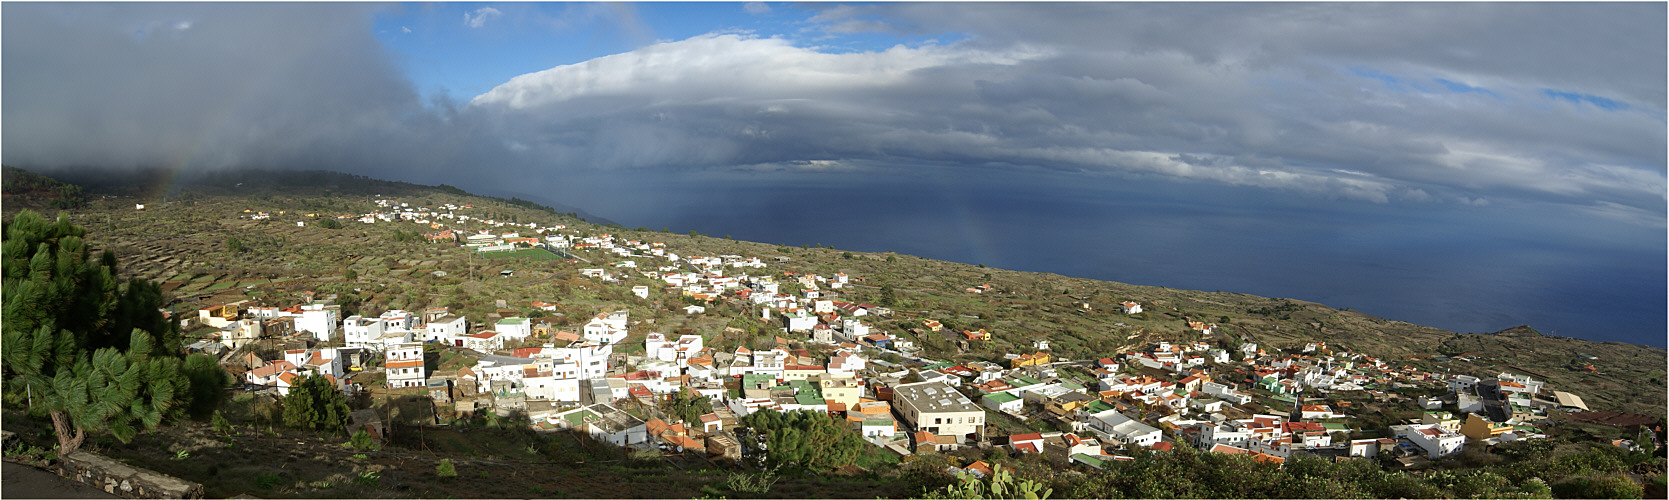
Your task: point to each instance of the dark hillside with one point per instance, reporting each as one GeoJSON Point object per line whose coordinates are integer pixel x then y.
{"type": "Point", "coordinates": [25, 189]}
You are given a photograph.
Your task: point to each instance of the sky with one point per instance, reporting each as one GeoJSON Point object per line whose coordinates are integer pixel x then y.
{"type": "Point", "coordinates": [1293, 149]}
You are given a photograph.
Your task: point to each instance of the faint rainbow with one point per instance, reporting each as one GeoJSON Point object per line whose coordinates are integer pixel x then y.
{"type": "Point", "coordinates": [970, 226]}
{"type": "Point", "coordinates": [221, 118]}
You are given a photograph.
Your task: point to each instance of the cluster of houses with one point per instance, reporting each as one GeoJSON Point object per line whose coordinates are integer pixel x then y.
{"type": "Point", "coordinates": [1193, 393]}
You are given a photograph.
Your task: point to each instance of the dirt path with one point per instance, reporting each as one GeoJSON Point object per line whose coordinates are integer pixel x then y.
{"type": "Point", "coordinates": [22, 481]}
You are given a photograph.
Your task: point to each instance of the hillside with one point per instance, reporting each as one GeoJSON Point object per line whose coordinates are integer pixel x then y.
{"type": "Point", "coordinates": [25, 189]}
{"type": "Point", "coordinates": [197, 237]}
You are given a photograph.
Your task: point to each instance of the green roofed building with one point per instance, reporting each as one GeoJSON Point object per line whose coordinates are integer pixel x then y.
{"type": "Point", "coordinates": [1003, 402]}
{"type": "Point", "coordinates": [1092, 461]}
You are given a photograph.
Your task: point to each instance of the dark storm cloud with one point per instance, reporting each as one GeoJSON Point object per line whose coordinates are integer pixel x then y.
{"type": "Point", "coordinates": [202, 86]}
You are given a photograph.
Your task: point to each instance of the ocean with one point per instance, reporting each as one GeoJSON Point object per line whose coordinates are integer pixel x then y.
{"type": "Point", "coordinates": [1461, 268]}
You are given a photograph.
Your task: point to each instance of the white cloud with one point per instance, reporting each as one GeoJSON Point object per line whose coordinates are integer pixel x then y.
{"type": "Point", "coordinates": [732, 66]}
{"type": "Point", "coordinates": [756, 8]}
{"type": "Point", "coordinates": [404, 29]}
{"type": "Point", "coordinates": [480, 17]}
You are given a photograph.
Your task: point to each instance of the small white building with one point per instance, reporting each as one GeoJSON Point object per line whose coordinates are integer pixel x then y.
{"type": "Point", "coordinates": [318, 320]}
{"type": "Point", "coordinates": [359, 331]}
{"type": "Point", "coordinates": [1436, 441]}
{"type": "Point", "coordinates": [1111, 424]}
{"type": "Point", "coordinates": [514, 329]}
{"type": "Point", "coordinates": [447, 328]}
{"type": "Point", "coordinates": [404, 366]}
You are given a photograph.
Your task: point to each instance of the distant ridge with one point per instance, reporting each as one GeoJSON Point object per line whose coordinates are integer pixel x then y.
{"type": "Point", "coordinates": [162, 183]}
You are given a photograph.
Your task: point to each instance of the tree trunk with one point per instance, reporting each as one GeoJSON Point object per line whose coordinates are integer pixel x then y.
{"type": "Point", "coordinates": [64, 428]}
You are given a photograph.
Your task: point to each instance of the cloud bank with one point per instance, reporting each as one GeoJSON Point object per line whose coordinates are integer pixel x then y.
{"type": "Point", "coordinates": [1456, 104]}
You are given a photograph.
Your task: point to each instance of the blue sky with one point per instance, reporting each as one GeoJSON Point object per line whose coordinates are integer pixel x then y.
{"type": "Point", "coordinates": [1543, 123]}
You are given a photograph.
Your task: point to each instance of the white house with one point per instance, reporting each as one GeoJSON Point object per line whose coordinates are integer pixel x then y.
{"type": "Point", "coordinates": [1131, 307]}
{"type": "Point", "coordinates": [1463, 383]}
{"type": "Point", "coordinates": [483, 342]}
{"type": "Point", "coordinates": [607, 328]}
{"type": "Point", "coordinates": [404, 366]}
{"type": "Point", "coordinates": [1225, 393]}
{"type": "Point", "coordinates": [589, 357]}
{"type": "Point", "coordinates": [1003, 402]}
{"type": "Point", "coordinates": [268, 374]}
{"type": "Point", "coordinates": [854, 329]}
{"type": "Point", "coordinates": [938, 409]}
{"type": "Point", "coordinates": [799, 321]}
{"type": "Point", "coordinates": [325, 362]}
{"type": "Point", "coordinates": [1111, 424]}
{"type": "Point", "coordinates": [318, 320]}
{"type": "Point", "coordinates": [447, 328]}
{"type": "Point", "coordinates": [844, 364]}
{"type": "Point", "coordinates": [514, 329]}
{"type": "Point", "coordinates": [641, 291]}
{"type": "Point", "coordinates": [1434, 439]}
{"type": "Point", "coordinates": [398, 320]}
{"type": "Point", "coordinates": [679, 352]}
{"type": "Point", "coordinates": [359, 331]}
{"type": "Point", "coordinates": [605, 423]}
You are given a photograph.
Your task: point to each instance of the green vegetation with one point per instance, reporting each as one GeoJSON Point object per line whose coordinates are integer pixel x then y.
{"type": "Point", "coordinates": [801, 440]}
{"type": "Point", "coordinates": [314, 404]}
{"type": "Point", "coordinates": [77, 347]}
{"type": "Point", "coordinates": [26, 189]}
{"type": "Point", "coordinates": [524, 253]}
{"type": "Point", "coordinates": [1001, 484]}
{"type": "Point", "coordinates": [688, 406]}
{"type": "Point", "coordinates": [208, 383]}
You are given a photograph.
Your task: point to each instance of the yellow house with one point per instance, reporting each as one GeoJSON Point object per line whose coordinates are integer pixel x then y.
{"type": "Point", "coordinates": [1480, 428]}
{"type": "Point", "coordinates": [841, 390]}
{"type": "Point", "coordinates": [979, 335]}
{"type": "Point", "coordinates": [803, 372]}
{"type": "Point", "coordinates": [1029, 360]}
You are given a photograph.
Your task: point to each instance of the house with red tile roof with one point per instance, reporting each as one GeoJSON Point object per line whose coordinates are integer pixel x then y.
{"type": "Point", "coordinates": [1026, 443]}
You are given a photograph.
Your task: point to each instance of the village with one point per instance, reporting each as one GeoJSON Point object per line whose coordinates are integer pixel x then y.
{"type": "Point", "coordinates": [835, 357]}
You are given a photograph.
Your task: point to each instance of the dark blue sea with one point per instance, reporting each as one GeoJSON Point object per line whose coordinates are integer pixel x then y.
{"type": "Point", "coordinates": [1461, 268]}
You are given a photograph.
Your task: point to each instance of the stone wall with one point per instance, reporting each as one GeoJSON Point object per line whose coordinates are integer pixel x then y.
{"type": "Point", "coordinates": [124, 480]}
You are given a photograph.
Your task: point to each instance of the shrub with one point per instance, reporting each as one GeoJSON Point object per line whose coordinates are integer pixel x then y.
{"type": "Point", "coordinates": [362, 441]}
{"type": "Point", "coordinates": [748, 483]}
{"type": "Point", "coordinates": [446, 469]}
{"type": "Point", "coordinates": [221, 425]}
{"type": "Point", "coordinates": [268, 480]}
{"type": "Point", "coordinates": [367, 479]}
{"type": "Point", "coordinates": [1607, 486]}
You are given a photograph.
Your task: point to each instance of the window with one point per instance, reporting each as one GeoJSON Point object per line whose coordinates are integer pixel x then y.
{"type": "Point", "coordinates": [937, 421]}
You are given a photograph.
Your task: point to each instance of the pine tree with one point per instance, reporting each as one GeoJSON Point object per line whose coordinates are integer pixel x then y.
{"type": "Point", "coordinates": [77, 347]}
{"type": "Point", "coordinates": [314, 403]}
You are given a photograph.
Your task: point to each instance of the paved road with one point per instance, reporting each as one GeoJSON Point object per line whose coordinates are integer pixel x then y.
{"type": "Point", "coordinates": [22, 481]}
